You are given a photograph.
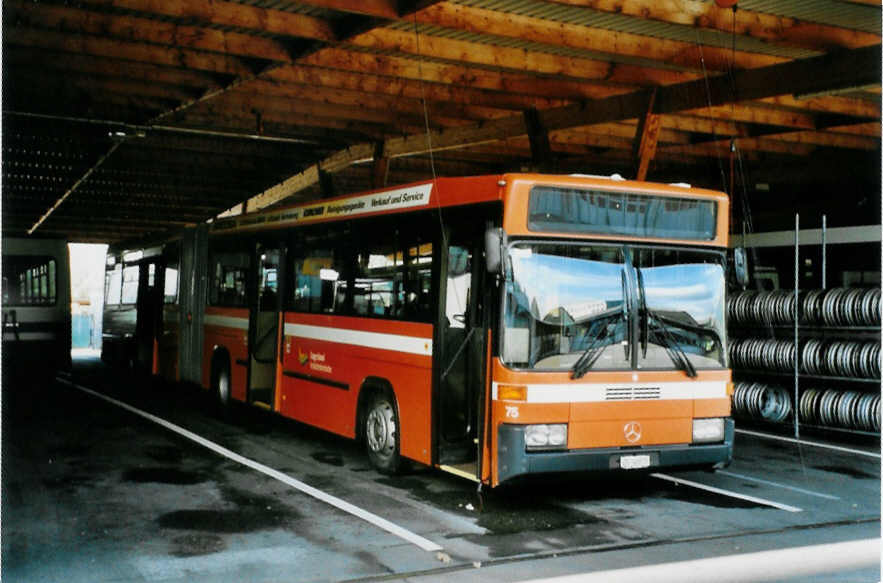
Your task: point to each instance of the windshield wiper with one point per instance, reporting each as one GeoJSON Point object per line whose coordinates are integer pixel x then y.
{"type": "Point", "coordinates": [593, 350]}
{"type": "Point", "coordinates": [672, 348]}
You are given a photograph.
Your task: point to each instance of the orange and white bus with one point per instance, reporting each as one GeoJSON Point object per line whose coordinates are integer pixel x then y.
{"type": "Point", "coordinates": [490, 326]}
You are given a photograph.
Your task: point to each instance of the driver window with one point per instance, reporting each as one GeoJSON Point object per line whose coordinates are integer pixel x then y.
{"type": "Point", "coordinates": [458, 285]}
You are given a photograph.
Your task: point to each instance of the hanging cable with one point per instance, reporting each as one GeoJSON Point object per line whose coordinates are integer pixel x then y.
{"type": "Point", "coordinates": [720, 162]}
{"type": "Point", "coordinates": [428, 131]}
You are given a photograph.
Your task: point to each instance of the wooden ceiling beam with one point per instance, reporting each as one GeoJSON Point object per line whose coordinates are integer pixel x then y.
{"type": "Point", "coordinates": [391, 67]}
{"type": "Point", "coordinates": [107, 66]}
{"type": "Point", "coordinates": [599, 40]}
{"type": "Point", "coordinates": [382, 102]}
{"type": "Point", "coordinates": [720, 149]}
{"type": "Point", "coordinates": [144, 30]}
{"type": "Point", "coordinates": [101, 84]}
{"type": "Point", "coordinates": [139, 52]}
{"type": "Point", "coordinates": [272, 108]}
{"type": "Point", "coordinates": [505, 59]}
{"type": "Point", "coordinates": [767, 27]}
{"type": "Point", "coordinates": [407, 88]}
{"type": "Point", "coordinates": [218, 12]}
{"type": "Point", "coordinates": [332, 131]}
{"type": "Point", "coordinates": [385, 9]}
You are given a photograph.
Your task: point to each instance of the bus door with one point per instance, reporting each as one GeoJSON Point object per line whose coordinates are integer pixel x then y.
{"type": "Point", "coordinates": [148, 319]}
{"type": "Point", "coordinates": [462, 338]}
{"type": "Point", "coordinates": [264, 326]}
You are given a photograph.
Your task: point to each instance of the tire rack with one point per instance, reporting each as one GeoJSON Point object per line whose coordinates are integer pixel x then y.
{"type": "Point", "coordinates": [830, 366]}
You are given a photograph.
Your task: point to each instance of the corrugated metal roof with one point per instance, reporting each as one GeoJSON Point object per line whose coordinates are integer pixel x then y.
{"type": "Point", "coordinates": [588, 17]}
{"type": "Point", "coordinates": [292, 7]}
{"type": "Point", "coordinates": [863, 17]}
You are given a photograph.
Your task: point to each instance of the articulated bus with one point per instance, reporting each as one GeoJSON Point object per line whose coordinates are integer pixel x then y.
{"type": "Point", "coordinates": [491, 326]}
{"type": "Point", "coordinates": [141, 320]}
{"type": "Point", "coordinates": [36, 307]}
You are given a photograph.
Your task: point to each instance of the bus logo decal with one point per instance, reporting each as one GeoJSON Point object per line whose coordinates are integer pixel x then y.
{"type": "Point", "coordinates": [632, 431]}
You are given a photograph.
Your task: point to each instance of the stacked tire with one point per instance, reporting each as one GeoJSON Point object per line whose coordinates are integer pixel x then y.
{"type": "Point", "coordinates": [830, 307]}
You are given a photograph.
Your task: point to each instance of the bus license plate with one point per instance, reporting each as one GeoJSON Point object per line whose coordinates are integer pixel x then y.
{"type": "Point", "coordinates": [634, 462]}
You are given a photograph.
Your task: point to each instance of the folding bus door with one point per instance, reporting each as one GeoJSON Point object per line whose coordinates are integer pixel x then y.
{"type": "Point", "coordinates": [461, 366]}
{"type": "Point", "coordinates": [148, 321]}
{"type": "Point", "coordinates": [264, 326]}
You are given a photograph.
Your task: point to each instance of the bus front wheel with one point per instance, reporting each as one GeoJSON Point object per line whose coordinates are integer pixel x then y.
{"type": "Point", "coordinates": [382, 434]}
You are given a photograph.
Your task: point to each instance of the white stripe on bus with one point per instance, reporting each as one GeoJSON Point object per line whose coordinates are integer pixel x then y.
{"type": "Point", "coordinates": [597, 392]}
{"type": "Point", "coordinates": [383, 341]}
{"type": "Point", "coordinates": [382, 523]}
{"type": "Point", "coordinates": [226, 321]}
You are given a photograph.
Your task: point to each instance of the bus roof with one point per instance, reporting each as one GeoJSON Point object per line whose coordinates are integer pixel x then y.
{"type": "Point", "coordinates": [437, 193]}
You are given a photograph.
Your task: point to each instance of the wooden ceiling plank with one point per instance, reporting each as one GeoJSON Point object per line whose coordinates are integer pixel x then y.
{"type": "Point", "coordinates": [764, 26]}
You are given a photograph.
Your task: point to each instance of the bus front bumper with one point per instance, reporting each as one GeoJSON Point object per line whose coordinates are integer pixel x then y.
{"type": "Point", "coordinates": [514, 460]}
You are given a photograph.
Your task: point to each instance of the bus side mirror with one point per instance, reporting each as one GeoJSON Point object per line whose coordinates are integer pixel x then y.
{"type": "Point", "coordinates": [493, 249]}
{"type": "Point", "coordinates": [740, 266]}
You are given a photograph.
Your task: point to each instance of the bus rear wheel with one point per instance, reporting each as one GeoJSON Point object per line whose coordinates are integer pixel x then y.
{"type": "Point", "coordinates": [221, 388]}
{"type": "Point", "coordinates": [382, 435]}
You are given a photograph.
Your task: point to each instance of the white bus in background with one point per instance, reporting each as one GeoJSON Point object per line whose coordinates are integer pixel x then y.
{"type": "Point", "coordinates": [36, 307]}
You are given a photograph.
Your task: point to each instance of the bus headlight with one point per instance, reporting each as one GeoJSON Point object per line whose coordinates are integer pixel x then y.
{"type": "Point", "coordinates": [708, 430]}
{"type": "Point", "coordinates": [546, 436]}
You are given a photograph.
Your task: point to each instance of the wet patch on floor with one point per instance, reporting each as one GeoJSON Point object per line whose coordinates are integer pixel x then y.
{"type": "Point", "coordinates": [69, 483]}
{"type": "Point", "coordinates": [330, 458]}
{"type": "Point", "coordinates": [194, 545]}
{"type": "Point", "coordinates": [851, 472]}
{"type": "Point", "coordinates": [252, 513]}
{"type": "Point", "coordinates": [164, 454]}
{"type": "Point", "coordinates": [499, 511]}
{"type": "Point", "coordinates": [163, 475]}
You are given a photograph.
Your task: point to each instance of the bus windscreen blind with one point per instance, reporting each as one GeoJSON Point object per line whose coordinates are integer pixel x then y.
{"type": "Point", "coordinates": [568, 210]}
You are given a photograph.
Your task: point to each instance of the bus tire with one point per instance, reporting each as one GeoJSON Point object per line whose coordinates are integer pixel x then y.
{"type": "Point", "coordinates": [381, 432]}
{"type": "Point", "coordinates": [222, 385]}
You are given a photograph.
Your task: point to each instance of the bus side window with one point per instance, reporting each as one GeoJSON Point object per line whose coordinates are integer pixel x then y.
{"type": "Point", "coordinates": [417, 285]}
{"type": "Point", "coordinates": [319, 284]}
{"type": "Point", "coordinates": [229, 276]}
{"type": "Point", "coordinates": [376, 282]}
{"type": "Point", "coordinates": [113, 281]}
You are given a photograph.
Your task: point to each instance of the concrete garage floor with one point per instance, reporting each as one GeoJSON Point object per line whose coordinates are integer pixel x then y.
{"type": "Point", "coordinates": [92, 492]}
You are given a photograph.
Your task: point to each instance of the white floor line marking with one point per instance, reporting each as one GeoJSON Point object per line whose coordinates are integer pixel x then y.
{"type": "Point", "coordinates": [812, 443]}
{"type": "Point", "coordinates": [423, 543]}
{"type": "Point", "coordinates": [777, 485]}
{"type": "Point", "coordinates": [727, 493]}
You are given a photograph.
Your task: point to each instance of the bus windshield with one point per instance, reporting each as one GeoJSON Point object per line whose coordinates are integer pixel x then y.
{"type": "Point", "coordinates": [613, 307]}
